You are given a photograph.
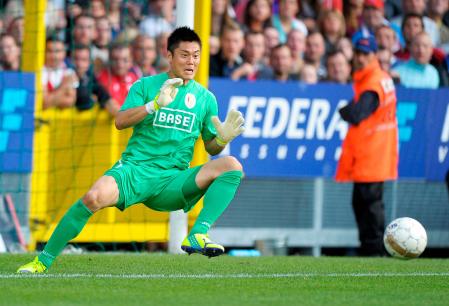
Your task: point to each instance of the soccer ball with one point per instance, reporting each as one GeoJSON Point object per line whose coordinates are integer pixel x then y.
{"type": "Point", "coordinates": [405, 238]}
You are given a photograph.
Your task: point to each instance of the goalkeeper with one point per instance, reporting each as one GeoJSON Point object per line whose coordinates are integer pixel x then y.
{"type": "Point", "coordinates": [168, 112]}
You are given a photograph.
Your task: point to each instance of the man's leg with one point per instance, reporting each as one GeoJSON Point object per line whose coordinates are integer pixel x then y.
{"type": "Point", "coordinates": [370, 216]}
{"type": "Point", "coordinates": [103, 193]}
{"type": "Point", "coordinates": [221, 177]}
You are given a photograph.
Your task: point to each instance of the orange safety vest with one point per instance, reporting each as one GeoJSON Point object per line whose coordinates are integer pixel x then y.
{"type": "Point", "coordinates": [370, 149]}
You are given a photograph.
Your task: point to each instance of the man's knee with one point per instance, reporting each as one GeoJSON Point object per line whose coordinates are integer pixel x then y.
{"type": "Point", "coordinates": [231, 164]}
{"type": "Point", "coordinates": [92, 200]}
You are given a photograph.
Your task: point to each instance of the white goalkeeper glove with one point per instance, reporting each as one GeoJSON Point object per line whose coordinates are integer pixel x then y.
{"type": "Point", "coordinates": [166, 95]}
{"type": "Point", "coordinates": [230, 128]}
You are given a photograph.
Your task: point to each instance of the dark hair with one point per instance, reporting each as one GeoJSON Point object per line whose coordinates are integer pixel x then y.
{"type": "Point", "coordinates": [141, 37]}
{"type": "Point", "coordinates": [179, 35]}
{"type": "Point", "coordinates": [3, 35]}
{"type": "Point", "coordinates": [81, 47]}
{"type": "Point", "coordinates": [252, 33]}
{"type": "Point", "coordinates": [77, 18]}
{"type": "Point", "coordinates": [314, 32]}
{"type": "Point", "coordinates": [118, 45]}
{"type": "Point", "coordinates": [247, 16]}
{"type": "Point", "coordinates": [335, 52]}
{"type": "Point", "coordinates": [278, 47]}
{"type": "Point", "coordinates": [230, 27]}
{"type": "Point", "coordinates": [383, 26]}
{"type": "Point", "coordinates": [52, 38]}
{"type": "Point", "coordinates": [410, 16]}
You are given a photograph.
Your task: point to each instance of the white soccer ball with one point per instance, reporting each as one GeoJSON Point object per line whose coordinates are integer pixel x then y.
{"type": "Point", "coordinates": [405, 238]}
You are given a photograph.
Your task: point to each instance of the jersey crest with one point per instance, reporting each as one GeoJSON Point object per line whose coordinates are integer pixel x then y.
{"type": "Point", "coordinates": [190, 100]}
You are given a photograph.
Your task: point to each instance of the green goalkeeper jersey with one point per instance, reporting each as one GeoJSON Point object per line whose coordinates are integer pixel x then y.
{"type": "Point", "coordinates": [166, 138]}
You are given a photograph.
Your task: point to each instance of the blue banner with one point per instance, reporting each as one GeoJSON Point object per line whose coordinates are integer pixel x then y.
{"type": "Point", "coordinates": [295, 130]}
{"type": "Point", "coordinates": [16, 121]}
{"type": "Point", "coordinates": [436, 142]}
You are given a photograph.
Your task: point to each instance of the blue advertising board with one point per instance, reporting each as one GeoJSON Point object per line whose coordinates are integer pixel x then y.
{"type": "Point", "coordinates": [295, 130]}
{"type": "Point", "coordinates": [16, 121]}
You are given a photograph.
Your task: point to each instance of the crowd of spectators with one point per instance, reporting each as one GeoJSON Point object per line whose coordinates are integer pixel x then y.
{"type": "Point", "coordinates": [96, 49]}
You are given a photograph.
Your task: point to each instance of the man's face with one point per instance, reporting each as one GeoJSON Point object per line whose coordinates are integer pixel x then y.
{"type": "Point", "coordinates": [84, 31]}
{"type": "Point", "coordinates": [281, 60]}
{"type": "Point", "coordinates": [219, 7]}
{"type": "Point", "coordinates": [104, 34]}
{"type": "Point", "coordinates": [232, 44]}
{"type": "Point", "coordinates": [271, 38]}
{"type": "Point", "coordinates": [314, 48]}
{"type": "Point", "coordinates": [157, 6]}
{"type": "Point", "coordinates": [254, 48]}
{"type": "Point", "coordinates": [386, 37]}
{"type": "Point", "coordinates": [332, 24]}
{"type": "Point", "coordinates": [185, 59]}
{"type": "Point", "coordinates": [414, 6]}
{"type": "Point", "coordinates": [372, 17]}
{"type": "Point", "coordinates": [296, 41]}
{"type": "Point", "coordinates": [144, 51]}
{"type": "Point", "coordinates": [9, 51]}
{"type": "Point", "coordinates": [54, 54]}
{"type": "Point", "coordinates": [421, 49]}
{"type": "Point", "coordinates": [97, 8]}
{"type": "Point", "coordinates": [288, 8]}
{"type": "Point", "coordinates": [412, 27]}
{"type": "Point", "coordinates": [338, 68]}
{"type": "Point", "coordinates": [362, 59]}
{"type": "Point", "coordinates": [438, 7]}
{"type": "Point", "coordinates": [81, 59]}
{"type": "Point", "coordinates": [120, 61]}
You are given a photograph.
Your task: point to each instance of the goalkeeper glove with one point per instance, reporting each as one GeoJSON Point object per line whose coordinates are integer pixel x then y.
{"type": "Point", "coordinates": [166, 95]}
{"type": "Point", "coordinates": [230, 128]}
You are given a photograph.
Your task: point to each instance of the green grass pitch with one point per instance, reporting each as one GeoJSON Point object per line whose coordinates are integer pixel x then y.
{"type": "Point", "coordinates": [153, 279]}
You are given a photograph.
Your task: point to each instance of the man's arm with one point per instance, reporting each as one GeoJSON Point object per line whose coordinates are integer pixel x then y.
{"type": "Point", "coordinates": [212, 147]}
{"type": "Point", "coordinates": [354, 113]}
{"type": "Point", "coordinates": [127, 118]}
{"type": "Point", "coordinates": [112, 107]}
{"type": "Point", "coordinates": [62, 97]}
{"type": "Point", "coordinates": [134, 115]}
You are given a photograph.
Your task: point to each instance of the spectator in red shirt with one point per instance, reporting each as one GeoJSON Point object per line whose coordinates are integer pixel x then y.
{"type": "Point", "coordinates": [118, 78]}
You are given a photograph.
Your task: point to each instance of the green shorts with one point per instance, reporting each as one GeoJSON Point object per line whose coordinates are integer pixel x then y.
{"type": "Point", "coordinates": [158, 189]}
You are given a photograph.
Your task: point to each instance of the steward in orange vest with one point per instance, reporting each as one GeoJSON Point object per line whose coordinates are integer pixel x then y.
{"type": "Point", "coordinates": [370, 150]}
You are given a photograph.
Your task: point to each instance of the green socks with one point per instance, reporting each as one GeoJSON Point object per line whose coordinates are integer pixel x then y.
{"type": "Point", "coordinates": [68, 228]}
{"type": "Point", "coordinates": [218, 196]}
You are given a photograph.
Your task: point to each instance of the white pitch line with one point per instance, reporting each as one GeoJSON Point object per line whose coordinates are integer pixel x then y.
{"type": "Point", "coordinates": [218, 276]}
